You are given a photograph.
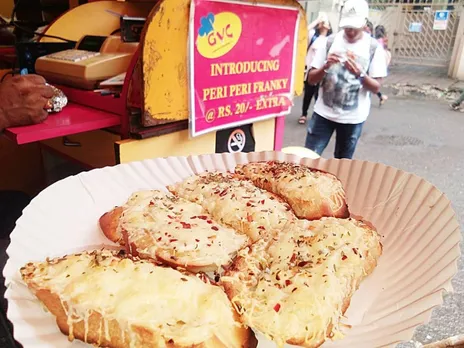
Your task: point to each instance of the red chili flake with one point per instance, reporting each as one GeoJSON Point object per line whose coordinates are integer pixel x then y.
{"type": "Point", "coordinates": [185, 225]}
{"type": "Point", "coordinates": [248, 204]}
{"type": "Point", "coordinates": [209, 221]}
{"type": "Point", "coordinates": [197, 240]}
{"type": "Point", "coordinates": [249, 218]}
{"type": "Point", "coordinates": [215, 228]}
{"type": "Point", "coordinates": [277, 307]}
{"type": "Point", "coordinates": [172, 240]}
{"type": "Point", "coordinates": [193, 217]}
{"type": "Point", "coordinates": [303, 263]}
{"type": "Point", "coordinates": [159, 239]}
{"type": "Point", "coordinates": [355, 251]}
{"type": "Point", "coordinates": [294, 289]}
{"type": "Point", "coordinates": [293, 258]}
{"type": "Point", "coordinates": [261, 228]}
{"type": "Point", "coordinates": [262, 202]}
{"type": "Point", "coordinates": [151, 204]}
{"type": "Point", "coordinates": [208, 245]}
{"type": "Point", "coordinates": [288, 282]}
{"type": "Point", "coordinates": [223, 193]}
{"type": "Point", "coordinates": [202, 217]}
{"type": "Point", "coordinates": [171, 217]}
{"type": "Point", "coordinates": [344, 257]}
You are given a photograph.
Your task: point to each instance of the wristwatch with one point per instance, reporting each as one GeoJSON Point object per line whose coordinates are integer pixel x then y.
{"type": "Point", "coordinates": [361, 77]}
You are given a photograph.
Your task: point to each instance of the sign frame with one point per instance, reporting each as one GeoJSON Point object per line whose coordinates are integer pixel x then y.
{"type": "Point", "coordinates": [191, 71]}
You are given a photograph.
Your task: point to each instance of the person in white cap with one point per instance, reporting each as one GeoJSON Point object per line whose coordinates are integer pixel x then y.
{"type": "Point", "coordinates": [349, 67]}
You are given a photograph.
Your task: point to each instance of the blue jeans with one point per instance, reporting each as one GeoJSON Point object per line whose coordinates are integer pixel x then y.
{"type": "Point", "coordinates": [320, 131]}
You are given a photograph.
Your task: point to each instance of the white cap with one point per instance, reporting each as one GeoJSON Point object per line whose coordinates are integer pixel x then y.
{"type": "Point", "coordinates": [354, 14]}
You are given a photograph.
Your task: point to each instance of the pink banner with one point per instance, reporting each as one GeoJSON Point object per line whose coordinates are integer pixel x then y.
{"type": "Point", "coordinates": [242, 59]}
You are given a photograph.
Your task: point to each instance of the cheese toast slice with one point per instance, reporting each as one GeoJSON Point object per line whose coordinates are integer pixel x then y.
{"type": "Point", "coordinates": [311, 193]}
{"type": "Point", "coordinates": [109, 300]}
{"type": "Point", "coordinates": [296, 288]}
{"type": "Point", "coordinates": [237, 203]}
{"type": "Point", "coordinates": [158, 225]}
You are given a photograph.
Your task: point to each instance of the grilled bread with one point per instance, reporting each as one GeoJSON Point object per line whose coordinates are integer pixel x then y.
{"type": "Point", "coordinates": [311, 193]}
{"type": "Point", "coordinates": [158, 225]}
{"type": "Point", "coordinates": [236, 203]}
{"type": "Point", "coordinates": [109, 300]}
{"type": "Point", "coordinates": [295, 288]}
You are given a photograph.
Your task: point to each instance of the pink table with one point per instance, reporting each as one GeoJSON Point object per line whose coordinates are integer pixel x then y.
{"type": "Point", "coordinates": [73, 119]}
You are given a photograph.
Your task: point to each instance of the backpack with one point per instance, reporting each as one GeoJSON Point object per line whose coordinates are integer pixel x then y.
{"type": "Point", "coordinates": [372, 48]}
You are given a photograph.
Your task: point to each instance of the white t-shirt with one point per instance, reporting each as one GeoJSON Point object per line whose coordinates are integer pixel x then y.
{"type": "Point", "coordinates": [342, 98]}
{"type": "Point", "coordinates": [311, 33]}
{"type": "Point", "coordinates": [320, 40]}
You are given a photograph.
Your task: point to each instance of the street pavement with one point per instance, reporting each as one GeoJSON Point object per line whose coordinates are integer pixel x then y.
{"type": "Point", "coordinates": [426, 138]}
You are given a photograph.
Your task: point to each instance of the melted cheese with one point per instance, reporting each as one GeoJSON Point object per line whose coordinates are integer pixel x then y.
{"type": "Point", "coordinates": [294, 287]}
{"type": "Point", "coordinates": [159, 224]}
{"type": "Point", "coordinates": [237, 203]}
{"type": "Point", "coordinates": [297, 183]}
{"type": "Point", "coordinates": [171, 304]}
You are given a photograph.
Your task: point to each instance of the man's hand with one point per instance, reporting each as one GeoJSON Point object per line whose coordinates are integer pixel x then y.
{"type": "Point", "coordinates": [22, 100]}
{"type": "Point", "coordinates": [353, 67]}
{"type": "Point", "coordinates": [332, 59]}
{"type": "Point", "coordinates": [316, 75]}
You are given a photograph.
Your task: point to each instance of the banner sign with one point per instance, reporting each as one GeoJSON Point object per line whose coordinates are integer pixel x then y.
{"type": "Point", "coordinates": [241, 63]}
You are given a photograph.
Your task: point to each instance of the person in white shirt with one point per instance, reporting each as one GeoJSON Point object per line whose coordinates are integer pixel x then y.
{"type": "Point", "coordinates": [323, 29]}
{"type": "Point", "coordinates": [349, 67]}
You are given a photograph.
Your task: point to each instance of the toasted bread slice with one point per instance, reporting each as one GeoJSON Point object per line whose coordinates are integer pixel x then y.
{"type": "Point", "coordinates": [237, 203]}
{"type": "Point", "coordinates": [296, 288]}
{"type": "Point", "coordinates": [108, 300]}
{"type": "Point", "coordinates": [311, 193]}
{"type": "Point", "coordinates": [158, 225]}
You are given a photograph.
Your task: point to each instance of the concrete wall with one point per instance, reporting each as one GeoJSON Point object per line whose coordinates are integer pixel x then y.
{"type": "Point", "coordinates": [331, 7]}
{"type": "Point", "coordinates": [456, 68]}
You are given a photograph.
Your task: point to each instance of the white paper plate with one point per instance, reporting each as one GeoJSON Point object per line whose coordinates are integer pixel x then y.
{"type": "Point", "coordinates": [420, 236]}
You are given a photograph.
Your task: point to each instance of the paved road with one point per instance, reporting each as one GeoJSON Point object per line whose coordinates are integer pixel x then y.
{"type": "Point", "coordinates": [425, 138]}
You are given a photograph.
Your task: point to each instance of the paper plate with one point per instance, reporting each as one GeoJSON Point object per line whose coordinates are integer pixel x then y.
{"type": "Point", "coordinates": [419, 229]}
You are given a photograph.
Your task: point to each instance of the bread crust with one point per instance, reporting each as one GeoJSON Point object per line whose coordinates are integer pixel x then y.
{"type": "Point", "coordinates": [242, 274]}
{"type": "Point", "coordinates": [236, 202]}
{"type": "Point", "coordinates": [160, 243]}
{"type": "Point", "coordinates": [101, 332]}
{"type": "Point", "coordinates": [300, 187]}
{"type": "Point", "coordinates": [109, 223]}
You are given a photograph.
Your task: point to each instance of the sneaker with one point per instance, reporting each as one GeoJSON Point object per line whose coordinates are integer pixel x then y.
{"type": "Point", "coordinates": [455, 107]}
